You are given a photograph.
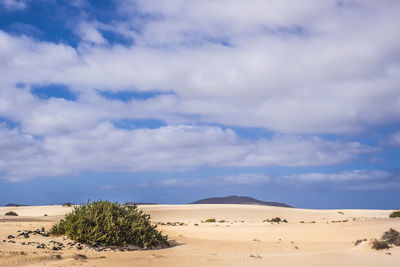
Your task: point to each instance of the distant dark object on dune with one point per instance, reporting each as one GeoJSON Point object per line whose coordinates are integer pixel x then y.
{"type": "Point", "coordinates": [14, 205]}
{"type": "Point", "coordinates": [239, 200]}
{"type": "Point", "coordinates": [67, 204]}
{"type": "Point", "coordinates": [11, 213]}
{"type": "Point", "coordinates": [139, 203]}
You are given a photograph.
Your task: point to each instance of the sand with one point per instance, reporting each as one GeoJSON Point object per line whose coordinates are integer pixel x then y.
{"type": "Point", "coordinates": [310, 238]}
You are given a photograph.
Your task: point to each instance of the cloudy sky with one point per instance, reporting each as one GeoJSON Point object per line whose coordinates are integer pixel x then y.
{"type": "Point", "coordinates": [172, 101]}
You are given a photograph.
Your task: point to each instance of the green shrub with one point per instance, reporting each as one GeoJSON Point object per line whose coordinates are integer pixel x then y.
{"type": "Point", "coordinates": [108, 223]}
{"type": "Point", "coordinates": [11, 213]}
{"type": "Point", "coordinates": [395, 214]}
{"type": "Point", "coordinates": [211, 220]}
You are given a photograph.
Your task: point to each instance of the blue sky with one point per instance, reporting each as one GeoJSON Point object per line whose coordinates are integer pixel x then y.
{"type": "Point", "coordinates": [173, 101]}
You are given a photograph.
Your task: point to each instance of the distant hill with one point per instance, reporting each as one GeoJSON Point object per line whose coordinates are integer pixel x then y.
{"type": "Point", "coordinates": [14, 205]}
{"type": "Point", "coordinates": [239, 200]}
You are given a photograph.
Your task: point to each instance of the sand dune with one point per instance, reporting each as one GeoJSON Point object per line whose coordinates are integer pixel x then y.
{"type": "Point", "coordinates": [310, 238]}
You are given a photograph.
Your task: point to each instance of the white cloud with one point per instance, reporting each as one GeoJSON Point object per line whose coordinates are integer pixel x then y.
{"type": "Point", "coordinates": [394, 139]}
{"type": "Point", "coordinates": [89, 33]}
{"type": "Point", "coordinates": [342, 177]}
{"type": "Point", "coordinates": [374, 186]}
{"type": "Point", "coordinates": [304, 67]}
{"type": "Point", "coordinates": [370, 180]}
{"type": "Point", "coordinates": [105, 148]}
{"type": "Point", "coordinates": [245, 178]}
{"type": "Point", "coordinates": [13, 4]}
{"type": "Point", "coordinates": [288, 67]}
{"type": "Point", "coordinates": [354, 180]}
{"type": "Point", "coordinates": [240, 179]}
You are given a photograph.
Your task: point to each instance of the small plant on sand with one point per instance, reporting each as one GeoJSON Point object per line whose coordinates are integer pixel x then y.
{"type": "Point", "coordinates": [210, 220]}
{"type": "Point", "coordinates": [395, 214]}
{"type": "Point", "coordinates": [108, 223]}
{"type": "Point", "coordinates": [380, 244]}
{"type": "Point", "coordinates": [175, 224]}
{"type": "Point", "coordinates": [11, 213]}
{"type": "Point", "coordinates": [67, 204]}
{"type": "Point", "coordinates": [275, 220]}
{"type": "Point", "coordinates": [392, 236]}
{"type": "Point", "coordinates": [359, 241]}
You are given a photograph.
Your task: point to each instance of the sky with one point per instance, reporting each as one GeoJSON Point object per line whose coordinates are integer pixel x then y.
{"type": "Point", "coordinates": [177, 100]}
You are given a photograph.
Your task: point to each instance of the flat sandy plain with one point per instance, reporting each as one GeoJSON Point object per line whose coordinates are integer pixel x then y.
{"type": "Point", "coordinates": [310, 238]}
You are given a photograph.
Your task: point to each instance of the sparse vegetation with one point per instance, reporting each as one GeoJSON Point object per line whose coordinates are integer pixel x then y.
{"type": "Point", "coordinates": [210, 220]}
{"type": "Point", "coordinates": [11, 213]}
{"type": "Point", "coordinates": [255, 256]}
{"type": "Point", "coordinates": [392, 236]}
{"type": "Point", "coordinates": [275, 220]}
{"type": "Point", "coordinates": [67, 204]}
{"type": "Point", "coordinates": [339, 221]}
{"type": "Point", "coordinates": [341, 212]}
{"type": "Point", "coordinates": [395, 214]}
{"type": "Point", "coordinates": [359, 241]}
{"type": "Point", "coordinates": [379, 244]}
{"type": "Point", "coordinates": [174, 224]}
{"type": "Point", "coordinates": [108, 223]}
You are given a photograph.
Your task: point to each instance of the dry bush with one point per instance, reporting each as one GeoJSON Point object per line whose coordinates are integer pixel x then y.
{"type": "Point", "coordinates": [392, 236]}
{"type": "Point", "coordinates": [380, 244]}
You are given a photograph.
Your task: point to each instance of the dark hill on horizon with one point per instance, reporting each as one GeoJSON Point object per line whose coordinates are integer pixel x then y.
{"type": "Point", "coordinates": [239, 200]}
{"type": "Point", "coordinates": [15, 205]}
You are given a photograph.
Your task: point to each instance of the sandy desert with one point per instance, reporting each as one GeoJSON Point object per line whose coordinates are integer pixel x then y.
{"type": "Point", "coordinates": [239, 237]}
